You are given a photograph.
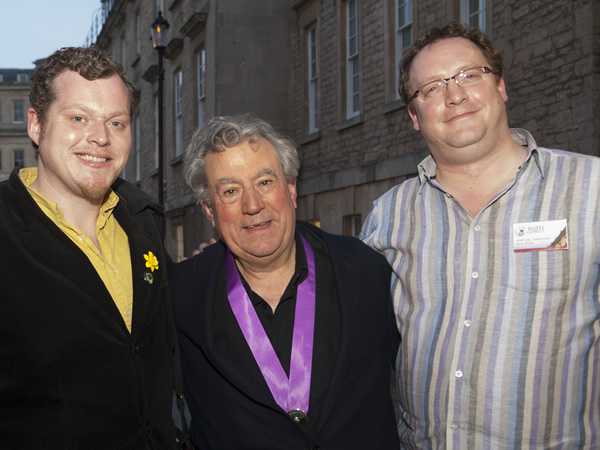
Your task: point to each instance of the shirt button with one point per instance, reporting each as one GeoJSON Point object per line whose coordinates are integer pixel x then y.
{"type": "Point", "coordinates": [80, 238]}
{"type": "Point", "coordinates": [453, 426]}
{"type": "Point", "coordinates": [459, 374]}
{"type": "Point", "coordinates": [475, 274]}
{"type": "Point", "coordinates": [477, 228]}
{"type": "Point", "coordinates": [467, 323]}
{"type": "Point", "coordinates": [448, 195]}
{"type": "Point", "coordinates": [128, 312]}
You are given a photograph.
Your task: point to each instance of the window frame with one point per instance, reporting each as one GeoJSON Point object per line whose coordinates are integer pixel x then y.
{"type": "Point", "coordinates": [21, 158]}
{"type": "Point", "coordinates": [352, 59]}
{"type": "Point", "coordinates": [466, 15]}
{"type": "Point", "coordinates": [178, 111]}
{"type": "Point", "coordinates": [138, 34]}
{"type": "Point", "coordinates": [16, 111]}
{"type": "Point", "coordinates": [400, 30]}
{"type": "Point", "coordinates": [312, 67]}
{"type": "Point", "coordinates": [201, 85]}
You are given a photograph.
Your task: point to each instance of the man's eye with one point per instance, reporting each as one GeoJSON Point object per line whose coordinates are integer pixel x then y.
{"type": "Point", "coordinates": [78, 119]}
{"type": "Point", "coordinates": [430, 90]}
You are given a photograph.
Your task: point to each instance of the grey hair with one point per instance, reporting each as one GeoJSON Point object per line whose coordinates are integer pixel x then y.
{"type": "Point", "coordinates": [221, 133]}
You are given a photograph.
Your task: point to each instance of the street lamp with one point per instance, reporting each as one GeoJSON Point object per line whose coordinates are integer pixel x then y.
{"type": "Point", "coordinates": [160, 39]}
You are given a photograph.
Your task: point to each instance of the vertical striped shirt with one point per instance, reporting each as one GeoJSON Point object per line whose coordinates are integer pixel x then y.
{"type": "Point", "coordinates": [500, 339]}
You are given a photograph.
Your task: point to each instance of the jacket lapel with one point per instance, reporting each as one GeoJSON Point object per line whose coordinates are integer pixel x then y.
{"type": "Point", "coordinates": [67, 258]}
{"type": "Point", "coordinates": [232, 370]}
{"type": "Point", "coordinates": [346, 269]}
{"type": "Point", "coordinates": [146, 283]}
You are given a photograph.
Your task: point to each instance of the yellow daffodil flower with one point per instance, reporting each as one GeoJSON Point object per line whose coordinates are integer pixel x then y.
{"type": "Point", "coordinates": [151, 261]}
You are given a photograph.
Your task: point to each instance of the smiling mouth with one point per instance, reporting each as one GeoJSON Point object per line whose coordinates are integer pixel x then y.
{"type": "Point", "coordinates": [461, 116]}
{"type": "Point", "coordinates": [257, 225]}
{"type": "Point", "coordinates": [91, 158]}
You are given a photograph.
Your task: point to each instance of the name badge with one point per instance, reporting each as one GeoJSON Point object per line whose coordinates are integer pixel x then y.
{"type": "Point", "coordinates": [538, 236]}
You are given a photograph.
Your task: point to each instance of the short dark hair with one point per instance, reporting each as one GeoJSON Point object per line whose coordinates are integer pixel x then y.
{"type": "Point", "coordinates": [451, 30]}
{"type": "Point", "coordinates": [221, 133]}
{"type": "Point", "coordinates": [89, 62]}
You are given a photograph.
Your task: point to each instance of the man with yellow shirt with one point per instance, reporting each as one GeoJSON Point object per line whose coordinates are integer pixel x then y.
{"type": "Point", "coordinates": [86, 326]}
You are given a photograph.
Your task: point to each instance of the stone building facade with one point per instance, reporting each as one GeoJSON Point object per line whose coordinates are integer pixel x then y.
{"type": "Point", "coordinates": [324, 73]}
{"type": "Point", "coordinates": [552, 75]}
{"type": "Point", "coordinates": [224, 57]}
{"type": "Point", "coordinates": [15, 145]}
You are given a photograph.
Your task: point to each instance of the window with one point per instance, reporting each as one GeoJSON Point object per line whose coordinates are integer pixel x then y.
{"type": "Point", "coordinates": [18, 111]}
{"type": "Point", "coordinates": [179, 242]}
{"type": "Point", "coordinates": [403, 36]}
{"type": "Point", "coordinates": [308, 33]}
{"type": "Point", "coordinates": [472, 13]}
{"type": "Point", "coordinates": [138, 150]}
{"type": "Point", "coordinates": [19, 159]}
{"type": "Point", "coordinates": [352, 62]}
{"type": "Point", "coordinates": [313, 78]}
{"type": "Point", "coordinates": [201, 82]}
{"type": "Point", "coordinates": [352, 225]}
{"type": "Point", "coordinates": [315, 222]}
{"type": "Point", "coordinates": [123, 52]}
{"type": "Point", "coordinates": [178, 114]}
{"type": "Point", "coordinates": [1, 77]}
{"type": "Point", "coordinates": [138, 35]}
{"type": "Point", "coordinates": [22, 78]}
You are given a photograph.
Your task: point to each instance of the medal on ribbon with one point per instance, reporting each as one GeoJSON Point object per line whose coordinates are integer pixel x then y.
{"type": "Point", "coordinates": [291, 394]}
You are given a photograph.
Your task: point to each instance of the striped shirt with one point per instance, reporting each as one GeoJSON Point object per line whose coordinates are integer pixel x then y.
{"type": "Point", "coordinates": [500, 346]}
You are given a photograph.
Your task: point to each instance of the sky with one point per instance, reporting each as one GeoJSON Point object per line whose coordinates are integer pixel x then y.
{"type": "Point", "coordinates": [33, 29]}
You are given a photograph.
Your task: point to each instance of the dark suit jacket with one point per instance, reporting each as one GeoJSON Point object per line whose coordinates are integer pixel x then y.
{"type": "Point", "coordinates": [232, 410]}
{"type": "Point", "coordinates": [71, 375]}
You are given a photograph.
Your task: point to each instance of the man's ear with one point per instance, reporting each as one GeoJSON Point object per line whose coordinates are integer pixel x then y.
{"type": "Point", "coordinates": [414, 116]}
{"type": "Point", "coordinates": [209, 213]}
{"type": "Point", "coordinates": [34, 127]}
{"type": "Point", "coordinates": [502, 89]}
{"type": "Point", "coordinates": [293, 193]}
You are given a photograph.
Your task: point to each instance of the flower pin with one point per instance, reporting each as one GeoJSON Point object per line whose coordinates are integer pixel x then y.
{"type": "Point", "coordinates": [151, 261]}
{"type": "Point", "coordinates": [152, 264]}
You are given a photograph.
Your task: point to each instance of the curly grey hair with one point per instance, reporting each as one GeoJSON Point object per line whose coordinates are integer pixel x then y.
{"type": "Point", "coordinates": [221, 133]}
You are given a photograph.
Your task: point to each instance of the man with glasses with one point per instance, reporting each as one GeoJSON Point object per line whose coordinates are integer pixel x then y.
{"type": "Point", "coordinates": [495, 250]}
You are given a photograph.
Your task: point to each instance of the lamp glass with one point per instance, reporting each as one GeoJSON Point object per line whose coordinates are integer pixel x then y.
{"type": "Point", "coordinates": [160, 32]}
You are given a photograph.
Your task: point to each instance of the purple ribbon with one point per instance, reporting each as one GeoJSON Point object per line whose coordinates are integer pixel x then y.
{"type": "Point", "coordinates": [292, 393]}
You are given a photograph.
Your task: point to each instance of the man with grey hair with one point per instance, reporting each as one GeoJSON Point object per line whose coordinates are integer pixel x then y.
{"type": "Point", "coordinates": [286, 332]}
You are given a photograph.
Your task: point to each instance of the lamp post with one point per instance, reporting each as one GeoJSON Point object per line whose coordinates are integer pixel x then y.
{"type": "Point", "coordinates": [160, 39]}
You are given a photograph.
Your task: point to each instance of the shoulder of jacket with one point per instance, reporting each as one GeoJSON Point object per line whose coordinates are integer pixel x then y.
{"type": "Point", "coordinates": [134, 198]}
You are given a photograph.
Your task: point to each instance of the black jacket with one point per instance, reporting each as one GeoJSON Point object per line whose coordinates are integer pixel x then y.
{"type": "Point", "coordinates": [71, 374]}
{"type": "Point", "coordinates": [232, 410]}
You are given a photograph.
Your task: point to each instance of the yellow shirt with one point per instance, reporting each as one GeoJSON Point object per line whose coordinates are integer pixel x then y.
{"type": "Point", "coordinates": [112, 261]}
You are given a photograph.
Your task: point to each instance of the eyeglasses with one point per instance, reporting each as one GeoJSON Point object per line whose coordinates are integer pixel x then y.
{"type": "Point", "coordinates": [465, 78]}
